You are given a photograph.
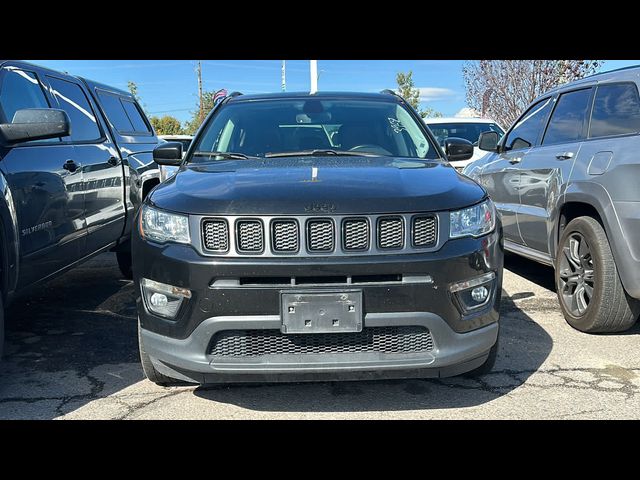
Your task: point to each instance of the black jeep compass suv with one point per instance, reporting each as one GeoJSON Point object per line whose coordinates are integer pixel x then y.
{"type": "Point", "coordinates": [312, 237]}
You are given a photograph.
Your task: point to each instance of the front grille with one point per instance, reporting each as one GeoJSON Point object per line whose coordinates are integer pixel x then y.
{"type": "Point", "coordinates": [320, 235]}
{"type": "Point", "coordinates": [285, 236]}
{"type": "Point", "coordinates": [424, 231]}
{"type": "Point", "coordinates": [330, 236]}
{"type": "Point", "coordinates": [250, 236]}
{"type": "Point", "coordinates": [215, 234]}
{"type": "Point", "coordinates": [355, 235]}
{"type": "Point", "coordinates": [390, 232]}
{"type": "Point", "coordinates": [258, 343]}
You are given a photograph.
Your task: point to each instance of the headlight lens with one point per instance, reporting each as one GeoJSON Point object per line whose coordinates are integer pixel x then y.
{"type": "Point", "coordinates": [473, 221]}
{"type": "Point", "coordinates": [162, 227]}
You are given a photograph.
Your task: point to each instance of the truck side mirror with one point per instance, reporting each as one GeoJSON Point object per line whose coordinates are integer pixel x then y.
{"type": "Point", "coordinates": [36, 124]}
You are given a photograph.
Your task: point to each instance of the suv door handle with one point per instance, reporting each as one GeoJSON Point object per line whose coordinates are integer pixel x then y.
{"type": "Point", "coordinates": [71, 166]}
{"type": "Point", "coordinates": [515, 160]}
{"type": "Point", "coordinates": [115, 161]}
{"type": "Point", "coordinates": [564, 155]}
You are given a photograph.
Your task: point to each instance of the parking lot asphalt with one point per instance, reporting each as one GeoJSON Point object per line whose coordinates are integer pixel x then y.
{"type": "Point", "coordinates": [71, 353]}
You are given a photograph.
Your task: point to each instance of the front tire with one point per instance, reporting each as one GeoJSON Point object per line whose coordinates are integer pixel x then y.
{"type": "Point", "coordinates": [147, 366]}
{"type": "Point", "coordinates": [589, 289]}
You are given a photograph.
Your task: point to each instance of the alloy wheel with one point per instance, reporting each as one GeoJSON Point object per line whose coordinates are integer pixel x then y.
{"type": "Point", "coordinates": [576, 275]}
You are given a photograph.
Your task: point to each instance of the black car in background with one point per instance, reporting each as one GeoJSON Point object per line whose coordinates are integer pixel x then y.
{"type": "Point", "coordinates": [75, 163]}
{"type": "Point", "coordinates": [316, 236]}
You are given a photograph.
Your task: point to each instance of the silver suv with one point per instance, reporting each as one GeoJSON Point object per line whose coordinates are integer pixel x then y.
{"type": "Point", "coordinates": [565, 179]}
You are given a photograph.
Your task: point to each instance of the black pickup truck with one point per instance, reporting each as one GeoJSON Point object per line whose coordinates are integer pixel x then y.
{"type": "Point", "coordinates": [75, 163]}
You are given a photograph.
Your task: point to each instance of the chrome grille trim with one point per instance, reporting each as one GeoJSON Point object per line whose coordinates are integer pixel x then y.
{"type": "Point", "coordinates": [355, 234]}
{"type": "Point", "coordinates": [424, 230]}
{"type": "Point", "coordinates": [285, 236]}
{"type": "Point", "coordinates": [196, 223]}
{"type": "Point", "coordinates": [250, 236]}
{"type": "Point", "coordinates": [391, 232]}
{"type": "Point", "coordinates": [321, 235]}
{"type": "Point", "coordinates": [215, 234]}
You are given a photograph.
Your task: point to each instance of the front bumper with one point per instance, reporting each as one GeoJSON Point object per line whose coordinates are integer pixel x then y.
{"type": "Point", "coordinates": [181, 348]}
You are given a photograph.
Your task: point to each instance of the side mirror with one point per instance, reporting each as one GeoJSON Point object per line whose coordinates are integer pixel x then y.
{"type": "Point", "coordinates": [36, 124]}
{"type": "Point", "coordinates": [169, 154]}
{"type": "Point", "coordinates": [458, 149]}
{"type": "Point", "coordinates": [488, 141]}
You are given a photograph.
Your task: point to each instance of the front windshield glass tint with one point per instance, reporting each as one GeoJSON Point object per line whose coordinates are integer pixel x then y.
{"type": "Point", "coordinates": [468, 131]}
{"type": "Point", "coordinates": [264, 127]}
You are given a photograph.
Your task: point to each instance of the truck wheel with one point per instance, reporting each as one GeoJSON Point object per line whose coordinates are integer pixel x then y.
{"type": "Point", "coordinates": [124, 264]}
{"type": "Point", "coordinates": [488, 365]}
{"type": "Point", "coordinates": [147, 366]}
{"type": "Point", "coordinates": [591, 294]}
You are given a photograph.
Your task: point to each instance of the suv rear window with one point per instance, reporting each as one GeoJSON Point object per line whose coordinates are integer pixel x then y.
{"type": "Point", "coordinates": [123, 114]}
{"type": "Point", "coordinates": [616, 110]}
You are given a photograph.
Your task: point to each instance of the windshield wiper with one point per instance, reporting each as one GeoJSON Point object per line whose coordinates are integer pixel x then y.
{"type": "Point", "coordinates": [231, 155]}
{"type": "Point", "coordinates": [320, 153]}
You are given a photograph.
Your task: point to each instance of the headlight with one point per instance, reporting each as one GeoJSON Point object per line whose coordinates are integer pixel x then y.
{"type": "Point", "coordinates": [473, 221]}
{"type": "Point", "coordinates": [160, 226]}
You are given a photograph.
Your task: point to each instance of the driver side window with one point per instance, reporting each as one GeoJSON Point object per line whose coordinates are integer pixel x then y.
{"type": "Point", "coordinates": [526, 132]}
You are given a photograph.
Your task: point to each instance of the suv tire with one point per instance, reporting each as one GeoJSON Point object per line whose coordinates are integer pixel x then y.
{"type": "Point", "coordinates": [589, 289]}
{"type": "Point", "coordinates": [147, 366]}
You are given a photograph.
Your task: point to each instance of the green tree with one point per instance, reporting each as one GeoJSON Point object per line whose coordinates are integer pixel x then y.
{"type": "Point", "coordinates": [192, 125]}
{"type": "Point", "coordinates": [408, 91]}
{"type": "Point", "coordinates": [133, 90]}
{"type": "Point", "coordinates": [502, 89]}
{"type": "Point", "coordinates": [166, 125]}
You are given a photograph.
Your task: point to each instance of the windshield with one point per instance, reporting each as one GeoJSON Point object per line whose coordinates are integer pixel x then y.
{"type": "Point", "coordinates": [468, 131]}
{"type": "Point", "coordinates": [277, 126]}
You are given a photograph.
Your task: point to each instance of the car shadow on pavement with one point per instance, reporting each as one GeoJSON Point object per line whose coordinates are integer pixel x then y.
{"type": "Point", "coordinates": [69, 342]}
{"type": "Point", "coordinates": [524, 346]}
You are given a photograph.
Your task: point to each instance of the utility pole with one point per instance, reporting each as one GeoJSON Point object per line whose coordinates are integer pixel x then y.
{"type": "Point", "coordinates": [313, 75]}
{"type": "Point", "coordinates": [199, 72]}
{"type": "Point", "coordinates": [284, 76]}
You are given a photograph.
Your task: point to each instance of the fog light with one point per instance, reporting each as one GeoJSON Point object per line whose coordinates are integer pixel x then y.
{"type": "Point", "coordinates": [479, 294]}
{"type": "Point", "coordinates": [473, 293]}
{"type": "Point", "coordinates": [162, 299]}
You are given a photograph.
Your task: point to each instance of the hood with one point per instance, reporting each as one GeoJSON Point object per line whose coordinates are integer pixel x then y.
{"type": "Point", "coordinates": [316, 185]}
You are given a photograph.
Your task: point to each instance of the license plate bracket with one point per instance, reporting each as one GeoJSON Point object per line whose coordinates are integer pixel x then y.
{"type": "Point", "coordinates": [321, 312]}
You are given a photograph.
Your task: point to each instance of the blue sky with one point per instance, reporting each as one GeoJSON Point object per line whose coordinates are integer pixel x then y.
{"type": "Point", "coordinates": [170, 87]}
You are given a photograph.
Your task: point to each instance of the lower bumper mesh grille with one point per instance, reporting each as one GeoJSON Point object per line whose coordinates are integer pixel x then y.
{"type": "Point", "coordinates": [257, 343]}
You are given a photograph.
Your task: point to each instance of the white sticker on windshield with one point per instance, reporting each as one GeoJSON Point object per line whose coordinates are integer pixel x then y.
{"type": "Point", "coordinates": [396, 124]}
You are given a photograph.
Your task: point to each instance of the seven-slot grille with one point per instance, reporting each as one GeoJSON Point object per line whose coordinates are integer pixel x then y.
{"type": "Point", "coordinates": [390, 232]}
{"type": "Point", "coordinates": [250, 236]}
{"type": "Point", "coordinates": [215, 235]}
{"type": "Point", "coordinates": [424, 231]}
{"type": "Point", "coordinates": [285, 235]}
{"type": "Point", "coordinates": [355, 234]}
{"type": "Point", "coordinates": [320, 235]}
{"type": "Point", "coordinates": [259, 343]}
{"type": "Point", "coordinates": [330, 236]}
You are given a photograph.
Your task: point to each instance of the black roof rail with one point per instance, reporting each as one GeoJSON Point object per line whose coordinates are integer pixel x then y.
{"type": "Point", "coordinates": [388, 91]}
{"type": "Point", "coordinates": [234, 94]}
